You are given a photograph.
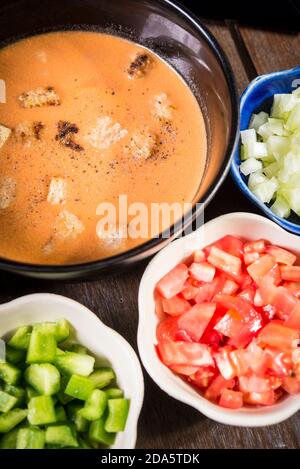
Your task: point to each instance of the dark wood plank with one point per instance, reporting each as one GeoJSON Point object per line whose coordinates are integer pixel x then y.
{"type": "Point", "coordinates": [270, 50]}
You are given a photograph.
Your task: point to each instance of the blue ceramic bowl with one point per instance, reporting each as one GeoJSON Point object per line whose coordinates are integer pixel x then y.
{"type": "Point", "coordinates": [258, 96]}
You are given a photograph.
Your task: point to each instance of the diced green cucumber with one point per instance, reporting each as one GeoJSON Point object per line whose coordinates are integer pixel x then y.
{"type": "Point", "coordinates": [20, 339]}
{"type": "Point", "coordinates": [61, 415]}
{"type": "Point", "coordinates": [94, 406]}
{"type": "Point", "coordinates": [11, 419]}
{"type": "Point", "coordinates": [42, 347]}
{"type": "Point", "coordinates": [30, 393]}
{"type": "Point", "coordinates": [13, 355]}
{"type": "Point", "coordinates": [41, 410]}
{"type": "Point", "coordinates": [117, 415]}
{"type": "Point", "coordinates": [9, 440]}
{"type": "Point", "coordinates": [113, 393]}
{"type": "Point", "coordinates": [59, 329]}
{"type": "Point", "coordinates": [59, 351]}
{"type": "Point", "coordinates": [9, 373]}
{"type": "Point", "coordinates": [44, 378]}
{"type": "Point", "coordinates": [71, 363]}
{"type": "Point", "coordinates": [7, 401]}
{"type": "Point", "coordinates": [79, 387]}
{"type": "Point", "coordinates": [62, 436]}
{"type": "Point", "coordinates": [102, 377]}
{"type": "Point", "coordinates": [17, 392]}
{"type": "Point", "coordinates": [62, 397]}
{"type": "Point", "coordinates": [81, 424]}
{"type": "Point", "coordinates": [83, 444]}
{"type": "Point", "coordinates": [98, 434]}
{"type": "Point", "coordinates": [31, 438]}
{"type": "Point", "coordinates": [77, 348]}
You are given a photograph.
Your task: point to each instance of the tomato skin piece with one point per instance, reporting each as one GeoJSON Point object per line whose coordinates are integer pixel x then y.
{"type": "Point", "coordinates": [231, 399]}
{"type": "Point", "coordinates": [281, 256]}
{"type": "Point", "coordinates": [263, 398]}
{"type": "Point", "coordinates": [216, 387]}
{"type": "Point", "coordinates": [277, 335]}
{"type": "Point", "coordinates": [260, 268]}
{"type": "Point", "coordinates": [202, 271]}
{"type": "Point", "coordinates": [184, 353]}
{"type": "Point", "coordinates": [229, 264]}
{"type": "Point", "coordinates": [173, 282]}
{"type": "Point", "coordinates": [195, 321]}
{"type": "Point", "coordinates": [175, 306]}
{"type": "Point", "coordinates": [291, 273]}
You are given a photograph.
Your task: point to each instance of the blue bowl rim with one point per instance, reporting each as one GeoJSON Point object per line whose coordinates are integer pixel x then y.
{"type": "Point", "coordinates": [234, 170]}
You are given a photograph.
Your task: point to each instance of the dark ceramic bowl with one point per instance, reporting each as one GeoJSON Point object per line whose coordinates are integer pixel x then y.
{"type": "Point", "coordinates": [179, 37]}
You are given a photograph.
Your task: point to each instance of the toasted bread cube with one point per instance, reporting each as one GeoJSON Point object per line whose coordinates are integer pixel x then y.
{"type": "Point", "coordinates": [42, 96]}
{"type": "Point", "coordinates": [105, 133]}
{"type": "Point", "coordinates": [4, 134]}
{"type": "Point", "coordinates": [143, 144]}
{"type": "Point", "coordinates": [8, 188]}
{"type": "Point", "coordinates": [113, 236]}
{"type": "Point", "coordinates": [57, 191]}
{"type": "Point", "coordinates": [162, 107]}
{"type": "Point", "coordinates": [139, 65]}
{"type": "Point", "coordinates": [27, 131]}
{"type": "Point", "coordinates": [68, 225]}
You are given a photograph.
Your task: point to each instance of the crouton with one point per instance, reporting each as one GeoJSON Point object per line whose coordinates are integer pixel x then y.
{"type": "Point", "coordinates": [57, 191]}
{"type": "Point", "coordinates": [139, 65]}
{"type": "Point", "coordinates": [67, 225]}
{"type": "Point", "coordinates": [113, 236]}
{"type": "Point", "coordinates": [49, 247]}
{"type": "Point", "coordinates": [143, 144]}
{"type": "Point", "coordinates": [162, 107]}
{"type": "Point", "coordinates": [65, 135]}
{"type": "Point", "coordinates": [4, 134]}
{"type": "Point", "coordinates": [28, 131]}
{"type": "Point", "coordinates": [105, 133]}
{"type": "Point", "coordinates": [42, 96]}
{"type": "Point", "coordinates": [7, 191]}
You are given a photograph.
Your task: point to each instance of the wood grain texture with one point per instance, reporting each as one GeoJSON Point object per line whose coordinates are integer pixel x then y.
{"type": "Point", "coordinates": [272, 51]}
{"type": "Point", "coordinates": [166, 423]}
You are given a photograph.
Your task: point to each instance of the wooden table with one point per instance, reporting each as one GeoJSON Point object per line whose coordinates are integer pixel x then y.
{"type": "Point", "coordinates": [166, 423]}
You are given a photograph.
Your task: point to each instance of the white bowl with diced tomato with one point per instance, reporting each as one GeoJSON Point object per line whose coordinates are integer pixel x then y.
{"type": "Point", "coordinates": [219, 320]}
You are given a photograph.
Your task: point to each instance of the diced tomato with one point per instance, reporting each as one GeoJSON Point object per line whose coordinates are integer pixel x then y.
{"type": "Point", "coordinates": [250, 257]}
{"type": "Point", "coordinates": [240, 323]}
{"type": "Point", "coordinates": [260, 268]}
{"type": "Point", "coordinates": [203, 377]}
{"type": "Point", "coordinates": [202, 271]}
{"type": "Point", "coordinates": [199, 255]}
{"type": "Point", "coordinates": [184, 353]}
{"type": "Point", "coordinates": [245, 280]}
{"type": "Point", "coordinates": [173, 282]}
{"type": "Point", "coordinates": [293, 320]}
{"type": "Point", "coordinates": [195, 321]}
{"type": "Point", "coordinates": [207, 291]}
{"type": "Point", "coordinates": [228, 243]}
{"type": "Point", "coordinates": [276, 334]}
{"type": "Point", "coordinates": [231, 399]}
{"type": "Point", "coordinates": [293, 287]}
{"type": "Point", "coordinates": [190, 289]}
{"type": "Point", "coordinates": [257, 358]}
{"type": "Point", "coordinates": [184, 370]}
{"type": "Point", "coordinates": [167, 329]}
{"type": "Point", "coordinates": [217, 385]}
{"type": "Point", "coordinates": [254, 383]}
{"type": "Point", "coordinates": [258, 301]}
{"type": "Point", "coordinates": [229, 264]}
{"type": "Point", "coordinates": [211, 337]}
{"type": "Point", "coordinates": [258, 246]}
{"type": "Point", "coordinates": [281, 256]}
{"type": "Point", "coordinates": [279, 297]}
{"type": "Point", "coordinates": [279, 362]}
{"type": "Point", "coordinates": [230, 287]}
{"type": "Point", "coordinates": [263, 398]}
{"type": "Point", "coordinates": [182, 336]}
{"type": "Point", "coordinates": [291, 273]}
{"type": "Point", "coordinates": [175, 306]}
{"type": "Point", "coordinates": [240, 360]}
{"type": "Point", "coordinates": [224, 364]}
{"type": "Point", "coordinates": [291, 384]}
{"type": "Point", "coordinates": [248, 294]}
{"type": "Point", "coordinates": [158, 306]}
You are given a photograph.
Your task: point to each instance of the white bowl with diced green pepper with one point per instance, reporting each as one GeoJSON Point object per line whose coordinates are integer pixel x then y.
{"type": "Point", "coordinates": [66, 379]}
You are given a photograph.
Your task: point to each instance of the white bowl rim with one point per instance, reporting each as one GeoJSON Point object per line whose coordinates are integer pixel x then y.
{"type": "Point", "coordinates": [172, 384]}
{"type": "Point", "coordinates": [136, 406]}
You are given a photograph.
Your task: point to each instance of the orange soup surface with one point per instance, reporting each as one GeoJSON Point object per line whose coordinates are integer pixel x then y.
{"type": "Point", "coordinates": [88, 117]}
